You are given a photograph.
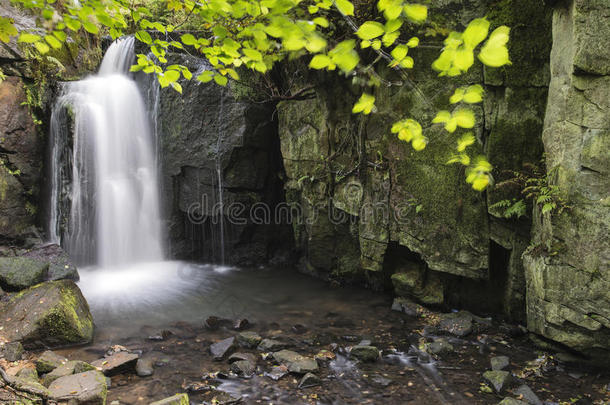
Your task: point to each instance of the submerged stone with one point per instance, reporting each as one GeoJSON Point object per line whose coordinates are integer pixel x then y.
{"type": "Point", "coordinates": [248, 339]}
{"type": "Point", "coordinates": [50, 314]}
{"type": "Point", "coordinates": [526, 393]}
{"type": "Point", "coordinates": [178, 399]}
{"type": "Point", "coordinates": [88, 388]}
{"type": "Point", "coordinates": [18, 273]}
{"type": "Point", "coordinates": [145, 367]}
{"type": "Point", "coordinates": [439, 346]}
{"type": "Point", "coordinates": [295, 362]}
{"type": "Point", "coordinates": [498, 379]}
{"type": "Point", "coordinates": [499, 362]}
{"type": "Point", "coordinates": [458, 323]}
{"type": "Point", "coordinates": [309, 380]}
{"type": "Point", "coordinates": [117, 363]}
{"type": "Point", "coordinates": [243, 368]}
{"type": "Point", "coordinates": [271, 345]}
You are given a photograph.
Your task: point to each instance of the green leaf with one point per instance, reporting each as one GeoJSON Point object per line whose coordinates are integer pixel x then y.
{"type": "Point", "coordinates": [321, 21]}
{"type": "Point", "coordinates": [464, 118]}
{"type": "Point", "coordinates": [42, 47]}
{"type": "Point", "coordinates": [206, 76]}
{"type": "Point", "coordinates": [90, 27]}
{"type": "Point", "coordinates": [143, 36]}
{"type": "Point", "coordinates": [171, 75]}
{"type": "Point", "coordinates": [457, 96]}
{"type": "Point", "coordinates": [476, 32]}
{"type": "Point", "coordinates": [495, 53]}
{"type": "Point", "coordinates": [7, 29]}
{"type": "Point", "coordinates": [72, 23]}
{"type": "Point", "coordinates": [28, 38]}
{"type": "Point", "coordinates": [389, 38]}
{"type": "Point", "coordinates": [393, 25]}
{"type": "Point", "coordinates": [416, 12]}
{"type": "Point", "coordinates": [365, 104]}
{"type": "Point", "coordinates": [474, 94]}
{"type": "Point", "coordinates": [253, 54]}
{"type": "Point", "coordinates": [464, 59]}
{"type": "Point", "coordinates": [188, 39]}
{"type": "Point", "coordinates": [221, 80]}
{"type": "Point", "coordinates": [315, 43]}
{"type": "Point", "coordinates": [370, 30]}
{"type": "Point", "coordinates": [319, 62]}
{"type": "Point", "coordinates": [465, 141]}
{"type": "Point", "coordinates": [176, 86]}
{"type": "Point", "coordinates": [413, 42]}
{"type": "Point", "coordinates": [54, 42]}
{"type": "Point", "coordinates": [345, 7]}
{"type": "Point", "coordinates": [442, 117]}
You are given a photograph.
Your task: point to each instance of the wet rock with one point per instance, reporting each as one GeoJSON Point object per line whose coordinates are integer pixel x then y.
{"type": "Point", "coordinates": [11, 351]}
{"type": "Point", "coordinates": [498, 379]}
{"type": "Point", "coordinates": [219, 398]}
{"type": "Point", "coordinates": [119, 362]}
{"type": "Point", "coordinates": [365, 353]}
{"type": "Point", "coordinates": [527, 395]}
{"type": "Point", "coordinates": [456, 323]}
{"type": "Point", "coordinates": [299, 329]}
{"type": "Point", "coordinates": [30, 385]}
{"type": "Point", "coordinates": [243, 368]}
{"type": "Point", "coordinates": [511, 401]}
{"type": "Point", "coordinates": [350, 338]}
{"type": "Point", "coordinates": [60, 265]}
{"type": "Point", "coordinates": [380, 380]}
{"type": "Point", "coordinates": [500, 362]}
{"type": "Point", "coordinates": [440, 346]}
{"type": "Point", "coordinates": [325, 355]}
{"type": "Point", "coordinates": [178, 399]}
{"type": "Point", "coordinates": [85, 388]}
{"type": "Point", "coordinates": [248, 339]}
{"type": "Point", "coordinates": [115, 349]}
{"type": "Point", "coordinates": [214, 323]}
{"type": "Point", "coordinates": [61, 317]}
{"type": "Point", "coordinates": [242, 356]}
{"type": "Point", "coordinates": [69, 368]}
{"type": "Point", "coordinates": [144, 367]}
{"type": "Point", "coordinates": [309, 380]}
{"type": "Point", "coordinates": [48, 361]}
{"type": "Point", "coordinates": [277, 372]}
{"type": "Point", "coordinates": [409, 307]}
{"type": "Point", "coordinates": [295, 362]}
{"type": "Point", "coordinates": [18, 273]}
{"type": "Point", "coordinates": [156, 338]}
{"type": "Point", "coordinates": [271, 345]}
{"type": "Point", "coordinates": [241, 324]}
{"type": "Point", "coordinates": [223, 348]}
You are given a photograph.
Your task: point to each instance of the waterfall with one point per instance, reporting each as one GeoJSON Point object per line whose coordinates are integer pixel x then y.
{"type": "Point", "coordinates": [114, 214]}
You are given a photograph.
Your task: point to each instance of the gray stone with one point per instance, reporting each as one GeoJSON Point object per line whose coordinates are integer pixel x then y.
{"type": "Point", "coordinates": [277, 372]}
{"type": "Point", "coordinates": [223, 348]}
{"type": "Point", "coordinates": [116, 363]}
{"type": "Point", "coordinates": [145, 367]}
{"type": "Point", "coordinates": [498, 379]}
{"type": "Point", "coordinates": [527, 395]}
{"type": "Point", "coordinates": [18, 273]}
{"type": "Point", "coordinates": [178, 399]}
{"type": "Point", "coordinates": [295, 362]}
{"type": "Point", "coordinates": [242, 356]}
{"type": "Point", "coordinates": [11, 351]}
{"type": "Point", "coordinates": [69, 368]}
{"type": "Point", "coordinates": [61, 317]}
{"type": "Point", "coordinates": [309, 380]}
{"type": "Point", "coordinates": [28, 372]}
{"type": "Point", "coordinates": [365, 353]}
{"type": "Point", "coordinates": [499, 362]}
{"type": "Point", "coordinates": [511, 401]}
{"type": "Point", "coordinates": [243, 368]}
{"type": "Point", "coordinates": [88, 388]}
{"type": "Point", "coordinates": [458, 323]}
{"type": "Point", "coordinates": [409, 307]}
{"type": "Point", "coordinates": [271, 345]}
{"type": "Point", "coordinates": [49, 361]}
{"type": "Point", "coordinates": [248, 339]}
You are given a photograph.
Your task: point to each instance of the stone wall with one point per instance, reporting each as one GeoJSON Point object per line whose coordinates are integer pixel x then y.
{"type": "Point", "coordinates": [568, 266]}
{"type": "Point", "coordinates": [371, 207]}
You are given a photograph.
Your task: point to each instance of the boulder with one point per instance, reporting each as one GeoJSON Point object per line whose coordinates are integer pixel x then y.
{"type": "Point", "coordinates": [69, 368]}
{"type": "Point", "coordinates": [178, 399]}
{"type": "Point", "coordinates": [11, 351]}
{"type": "Point", "coordinates": [88, 388]}
{"type": "Point", "coordinates": [295, 362]}
{"type": "Point", "coordinates": [116, 363]}
{"type": "Point", "coordinates": [456, 323]}
{"type": "Point", "coordinates": [18, 273]}
{"type": "Point", "coordinates": [49, 361]}
{"type": "Point", "coordinates": [60, 264]}
{"type": "Point", "coordinates": [50, 314]}
{"type": "Point", "coordinates": [365, 353]}
{"type": "Point", "coordinates": [28, 372]}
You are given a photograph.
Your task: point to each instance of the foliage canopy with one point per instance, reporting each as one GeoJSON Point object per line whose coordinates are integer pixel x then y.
{"type": "Point", "coordinates": [258, 33]}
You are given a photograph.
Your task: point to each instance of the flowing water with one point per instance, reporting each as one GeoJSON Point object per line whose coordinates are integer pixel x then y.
{"type": "Point", "coordinates": [114, 215]}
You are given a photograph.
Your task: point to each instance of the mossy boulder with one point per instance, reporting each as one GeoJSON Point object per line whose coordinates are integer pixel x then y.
{"type": "Point", "coordinates": [49, 314]}
{"type": "Point", "coordinates": [88, 388]}
{"type": "Point", "coordinates": [178, 399]}
{"type": "Point", "coordinates": [18, 273]}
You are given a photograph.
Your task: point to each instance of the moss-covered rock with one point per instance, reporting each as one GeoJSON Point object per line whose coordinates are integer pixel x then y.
{"type": "Point", "coordinates": [18, 273]}
{"type": "Point", "coordinates": [88, 388]}
{"type": "Point", "coordinates": [54, 313]}
{"type": "Point", "coordinates": [178, 399]}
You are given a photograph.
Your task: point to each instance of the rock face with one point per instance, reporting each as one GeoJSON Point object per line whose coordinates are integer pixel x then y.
{"type": "Point", "coordinates": [210, 138]}
{"type": "Point", "coordinates": [54, 313]}
{"type": "Point", "coordinates": [365, 201]}
{"type": "Point", "coordinates": [568, 267]}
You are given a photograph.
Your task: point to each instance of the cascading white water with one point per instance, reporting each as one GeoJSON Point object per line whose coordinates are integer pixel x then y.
{"type": "Point", "coordinates": [114, 216]}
